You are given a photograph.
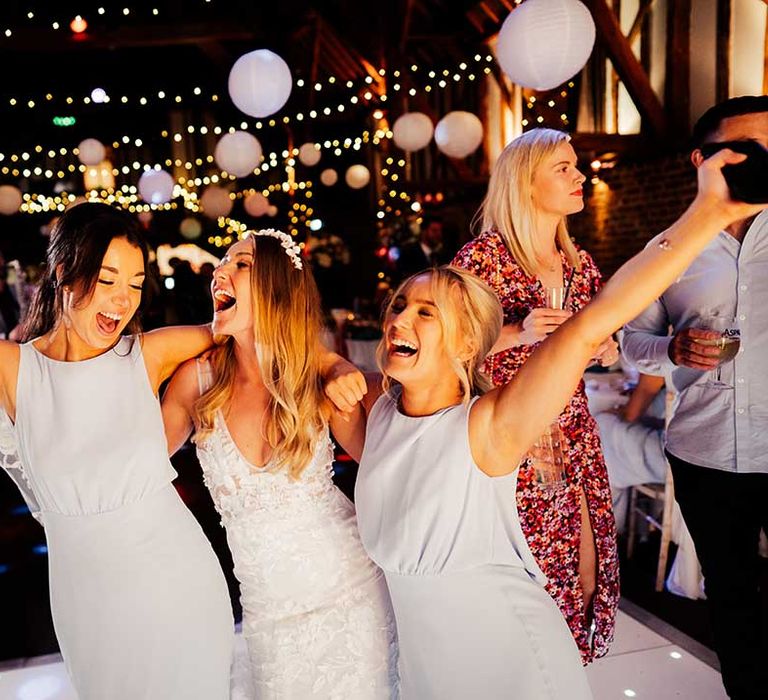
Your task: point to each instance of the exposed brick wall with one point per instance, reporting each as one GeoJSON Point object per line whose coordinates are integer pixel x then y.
{"type": "Point", "coordinates": [632, 203]}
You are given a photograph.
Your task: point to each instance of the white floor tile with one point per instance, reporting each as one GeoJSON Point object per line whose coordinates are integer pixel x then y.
{"type": "Point", "coordinates": [664, 673]}
{"type": "Point", "coordinates": [632, 635]}
{"type": "Point", "coordinates": [642, 664]}
{"type": "Point", "coordinates": [44, 682]}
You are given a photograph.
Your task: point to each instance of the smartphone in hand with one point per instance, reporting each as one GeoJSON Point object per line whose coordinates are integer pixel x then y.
{"type": "Point", "coordinates": [748, 180]}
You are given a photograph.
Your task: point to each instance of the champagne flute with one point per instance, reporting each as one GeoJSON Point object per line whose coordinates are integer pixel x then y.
{"type": "Point", "coordinates": [728, 344]}
{"type": "Point", "coordinates": [554, 297]}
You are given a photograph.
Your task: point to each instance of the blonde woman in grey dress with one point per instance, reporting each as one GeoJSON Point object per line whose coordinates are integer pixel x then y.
{"type": "Point", "coordinates": [435, 492]}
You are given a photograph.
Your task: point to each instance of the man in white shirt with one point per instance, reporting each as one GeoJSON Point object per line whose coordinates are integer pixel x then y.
{"type": "Point", "coordinates": [717, 439]}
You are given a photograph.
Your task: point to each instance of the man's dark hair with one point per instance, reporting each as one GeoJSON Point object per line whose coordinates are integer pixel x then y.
{"type": "Point", "coordinates": [709, 122]}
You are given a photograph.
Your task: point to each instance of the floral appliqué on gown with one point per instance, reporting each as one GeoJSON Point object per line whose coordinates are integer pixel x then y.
{"type": "Point", "coordinates": [317, 617]}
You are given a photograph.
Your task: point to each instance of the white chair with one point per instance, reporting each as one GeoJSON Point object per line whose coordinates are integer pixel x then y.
{"type": "Point", "coordinates": [642, 500]}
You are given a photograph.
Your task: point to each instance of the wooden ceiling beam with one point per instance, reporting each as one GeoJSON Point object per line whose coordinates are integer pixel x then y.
{"type": "Point", "coordinates": [677, 91]}
{"type": "Point", "coordinates": [637, 24]}
{"type": "Point", "coordinates": [630, 71]}
{"type": "Point", "coordinates": [724, 29]}
{"type": "Point", "coordinates": [405, 27]}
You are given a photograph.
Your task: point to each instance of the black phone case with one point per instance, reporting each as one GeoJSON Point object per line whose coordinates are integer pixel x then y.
{"type": "Point", "coordinates": [748, 180]}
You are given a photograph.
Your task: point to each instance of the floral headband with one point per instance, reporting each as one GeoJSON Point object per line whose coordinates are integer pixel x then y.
{"type": "Point", "coordinates": [292, 250]}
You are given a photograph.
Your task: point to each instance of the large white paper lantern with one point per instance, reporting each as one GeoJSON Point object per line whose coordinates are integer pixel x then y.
{"type": "Point", "coordinates": [309, 154]}
{"type": "Point", "coordinates": [357, 176]}
{"type": "Point", "coordinates": [412, 131]}
{"type": "Point", "coordinates": [215, 202]}
{"type": "Point", "coordinates": [329, 177]}
{"type": "Point", "coordinates": [459, 133]}
{"type": "Point", "coordinates": [238, 153]}
{"type": "Point", "coordinates": [260, 83]}
{"type": "Point", "coordinates": [10, 199]}
{"type": "Point", "coordinates": [543, 43]}
{"type": "Point", "coordinates": [256, 204]}
{"type": "Point", "coordinates": [190, 228]}
{"type": "Point", "coordinates": [156, 186]}
{"type": "Point", "coordinates": [91, 152]}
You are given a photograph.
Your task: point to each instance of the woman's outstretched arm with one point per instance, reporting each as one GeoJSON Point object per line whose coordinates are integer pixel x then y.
{"type": "Point", "coordinates": [506, 421]}
{"type": "Point", "coordinates": [166, 348]}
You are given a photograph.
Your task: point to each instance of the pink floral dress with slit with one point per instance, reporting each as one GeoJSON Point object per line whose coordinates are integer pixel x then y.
{"type": "Point", "coordinates": [551, 521]}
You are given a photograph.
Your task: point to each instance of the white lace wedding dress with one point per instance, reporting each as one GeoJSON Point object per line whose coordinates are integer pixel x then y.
{"type": "Point", "coordinates": [317, 618]}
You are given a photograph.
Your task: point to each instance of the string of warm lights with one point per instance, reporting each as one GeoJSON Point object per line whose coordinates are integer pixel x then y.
{"type": "Point", "coordinates": [99, 95]}
{"type": "Point", "coordinates": [78, 23]}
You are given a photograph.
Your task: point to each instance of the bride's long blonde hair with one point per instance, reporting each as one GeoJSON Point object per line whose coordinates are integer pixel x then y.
{"type": "Point", "coordinates": [286, 328]}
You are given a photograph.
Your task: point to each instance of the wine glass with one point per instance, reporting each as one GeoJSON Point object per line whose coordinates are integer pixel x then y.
{"type": "Point", "coordinates": [728, 344]}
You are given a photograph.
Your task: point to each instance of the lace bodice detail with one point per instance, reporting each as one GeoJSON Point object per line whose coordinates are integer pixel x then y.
{"type": "Point", "coordinates": [11, 462]}
{"type": "Point", "coordinates": [316, 613]}
{"type": "Point", "coordinates": [239, 488]}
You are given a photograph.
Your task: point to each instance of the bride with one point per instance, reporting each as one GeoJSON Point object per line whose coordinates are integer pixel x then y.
{"type": "Point", "coordinates": [317, 618]}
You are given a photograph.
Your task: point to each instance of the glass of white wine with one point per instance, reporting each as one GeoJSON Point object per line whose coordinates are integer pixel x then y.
{"type": "Point", "coordinates": [728, 345]}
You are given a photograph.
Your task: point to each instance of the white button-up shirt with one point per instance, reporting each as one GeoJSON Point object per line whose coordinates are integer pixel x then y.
{"type": "Point", "coordinates": [727, 428]}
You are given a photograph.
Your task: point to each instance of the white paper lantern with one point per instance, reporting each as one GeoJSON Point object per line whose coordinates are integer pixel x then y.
{"type": "Point", "coordinates": [357, 176]}
{"type": "Point", "coordinates": [272, 210]}
{"type": "Point", "coordinates": [260, 83]}
{"type": "Point", "coordinates": [156, 186]}
{"type": "Point", "coordinates": [329, 177]}
{"type": "Point", "coordinates": [256, 204]}
{"type": "Point", "coordinates": [10, 199]}
{"type": "Point", "coordinates": [238, 153]}
{"type": "Point", "coordinates": [543, 43]}
{"type": "Point", "coordinates": [190, 228]}
{"type": "Point", "coordinates": [412, 131]}
{"type": "Point", "coordinates": [309, 154]}
{"type": "Point", "coordinates": [91, 152]}
{"type": "Point", "coordinates": [215, 202]}
{"type": "Point", "coordinates": [458, 134]}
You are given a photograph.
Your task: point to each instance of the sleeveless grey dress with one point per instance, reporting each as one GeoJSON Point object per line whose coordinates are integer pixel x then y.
{"type": "Point", "coordinates": [139, 601]}
{"type": "Point", "coordinates": [472, 616]}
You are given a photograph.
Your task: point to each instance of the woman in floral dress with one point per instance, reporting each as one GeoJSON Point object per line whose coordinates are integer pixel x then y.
{"type": "Point", "coordinates": [524, 248]}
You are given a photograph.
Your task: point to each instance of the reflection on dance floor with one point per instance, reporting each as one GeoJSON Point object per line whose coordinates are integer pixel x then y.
{"type": "Point", "coordinates": [641, 664]}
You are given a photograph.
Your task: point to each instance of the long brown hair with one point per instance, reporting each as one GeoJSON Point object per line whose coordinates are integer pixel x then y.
{"type": "Point", "coordinates": [287, 322]}
{"type": "Point", "coordinates": [79, 242]}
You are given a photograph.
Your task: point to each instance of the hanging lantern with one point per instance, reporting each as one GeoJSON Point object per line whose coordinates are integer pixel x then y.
{"type": "Point", "coordinates": [238, 153]}
{"type": "Point", "coordinates": [256, 204]}
{"type": "Point", "coordinates": [543, 43]}
{"type": "Point", "coordinates": [260, 83]}
{"type": "Point", "coordinates": [412, 131]}
{"type": "Point", "coordinates": [458, 134]}
{"type": "Point", "coordinates": [10, 199]}
{"type": "Point", "coordinates": [357, 176]}
{"type": "Point", "coordinates": [329, 177]}
{"type": "Point", "coordinates": [215, 202]}
{"type": "Point", "coordinates": [91, 152]}
{"type": "Point", "coordinates": [309, 154]}
{"type": "Point", "coordinates": [190, 228]}
{"type": "Point", "coordinates": [156, 186]}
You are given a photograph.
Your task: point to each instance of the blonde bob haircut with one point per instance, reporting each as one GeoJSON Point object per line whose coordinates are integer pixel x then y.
{"type": "Point", "coordinates": [508, 205]}
{"type": "Point", "coordinates": [286, 326]}
{"type": "Point", "coordinates": [471, 318]}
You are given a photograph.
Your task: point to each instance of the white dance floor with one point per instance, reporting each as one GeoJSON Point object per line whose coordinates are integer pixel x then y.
{"type": "Point", "coordinates": [642, 665]}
